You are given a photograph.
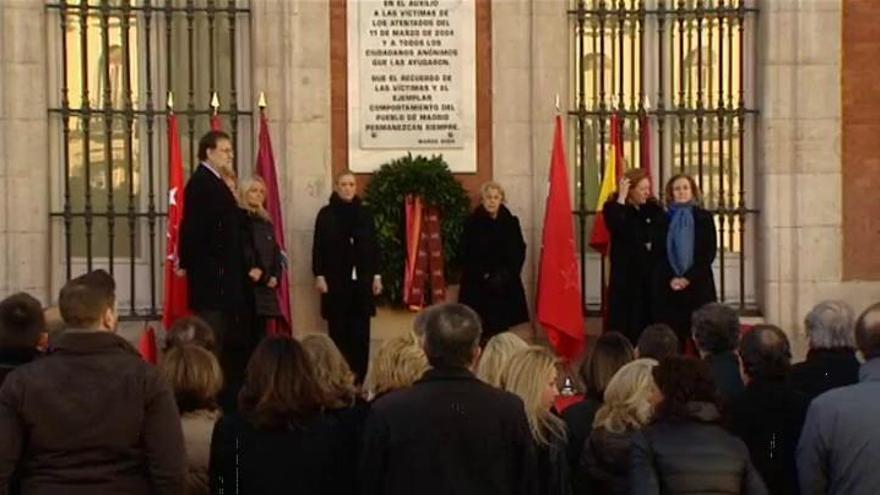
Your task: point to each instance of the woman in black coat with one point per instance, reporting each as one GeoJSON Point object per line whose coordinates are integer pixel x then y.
{"type": "Point", "coordinates": [631, 217]}
{"type": "Point", "coordinates": [685, 449]}
{"type": "Point", "coordinates": [345, 266]}
{"type": "Point", "coordinates": [262, 256]}
{"type": "Point", "coordinates": [493, 252]}
{"type": "Point", "coordinates": [684, 249]}
{"type": "Point", "coordinates": [280, 442]}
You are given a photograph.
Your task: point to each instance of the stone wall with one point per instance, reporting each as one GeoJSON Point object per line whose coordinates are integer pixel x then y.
{"type": "Point", "coordinates": [24, 149]}
{"type": "Point", "coordinates": [799, 163]}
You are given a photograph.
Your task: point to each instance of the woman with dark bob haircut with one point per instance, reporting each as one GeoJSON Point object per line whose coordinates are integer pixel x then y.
{"type": "Point", "coordinates": [280, 441]}
{"type": "Point", "coordinates": [686, 450]}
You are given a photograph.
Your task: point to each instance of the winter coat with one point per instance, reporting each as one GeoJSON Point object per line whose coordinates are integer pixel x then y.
{"type": "Point", "coordinates": [212, 245]}
{"type": "Point", "coordinates": [675, 307]}
{"type": "Point", "coordinates": [768, 417]}
{"type": "Point", "coordinates": [345, 253]}
{"type": "Point", "coordinates": [262, 251]}
{"type": "Point", "coordinates": [492, 253]}
{"type": "Point", "coordinates": [692, 455]}
{"type": "Point", "coordinates": [554, 473]}
{"type": "Point", "coordinates": [825, 369]}
{"type": "Point", "coordinates": [198, 426]}
{"type": "Point", "coordinates": [578, 423]}
{"type": "Point", "coordinates": [317, 457]}
{"type": "Point", "coordinates": [447, 433]}
{"type": "Point", "coordinates": [633, 232]}
{"type": "Point", "coordinates": [604, 465]}
{"type": "Point", "coordinates": [90, 417]}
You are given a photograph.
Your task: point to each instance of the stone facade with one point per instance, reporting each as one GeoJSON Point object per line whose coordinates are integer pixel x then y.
{"type": "Point", "coordinates": [798, 176]}
{"type": "Point", "coordinates": [24, 149]}
{"type": "Point", "coordinates": [799, 166]}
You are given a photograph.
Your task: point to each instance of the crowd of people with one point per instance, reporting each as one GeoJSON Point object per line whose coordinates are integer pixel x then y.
{"type": "Point", "coordinates": [82, 412]}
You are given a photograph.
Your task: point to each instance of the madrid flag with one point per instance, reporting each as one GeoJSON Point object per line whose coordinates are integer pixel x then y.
{"type": "Point", "coordinates": [175, 300]}
{"type": "Point", "coordinates": [559, 283]}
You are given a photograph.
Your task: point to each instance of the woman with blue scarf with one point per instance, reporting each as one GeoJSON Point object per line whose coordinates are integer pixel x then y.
{"type": "Point", "coordinates": [685, 250]}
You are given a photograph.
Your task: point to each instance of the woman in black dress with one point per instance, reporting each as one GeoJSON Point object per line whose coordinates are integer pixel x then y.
{"type": "Point", "coordinates": [493, 252]}
{"type": "Point", "coordinates": [631, 215]}
{"type": "Point", "coordinates": [684, 249]}
{"type": "Point", "coordinates": [345, 266]}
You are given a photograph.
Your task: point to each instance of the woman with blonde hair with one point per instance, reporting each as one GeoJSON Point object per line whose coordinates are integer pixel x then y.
{"type": "Point", "coordinates": [398, 364]}
{"type": "Point", "coordinates": [629, 401]}
{"type": "Point", "coordinates": [263, 256]}
{"type": "Point", "coordinates": [194, 375]}
{"type": "Point", "coordinates": [531, 375]}
{"type": "Point", "coordinates": [496, 356]}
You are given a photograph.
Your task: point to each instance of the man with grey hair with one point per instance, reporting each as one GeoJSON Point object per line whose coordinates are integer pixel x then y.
{"type": "Point", "coordinates": [840, 444]}
{"type": "Point", "coordinates": [831, 360]}
{"type": "Point", "coordinates": [716, 330]}
{"type": "Point", "coordinates": [449, 432]}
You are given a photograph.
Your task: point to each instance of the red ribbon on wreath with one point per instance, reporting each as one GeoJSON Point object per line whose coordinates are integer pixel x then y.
{"type": "Point", "coordinates": [423, 273]}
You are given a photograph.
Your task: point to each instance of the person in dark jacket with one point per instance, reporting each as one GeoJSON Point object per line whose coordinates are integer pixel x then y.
{"type": "Point", "coordinates": [769, 415]}
{"type": "Point", "coordinates": [91, 416]}
{"type": "Point", "coordinates": [831, 359]}
{"type": "Point", "coordinates": [610, 352]}
{"type": "Point", "coordinates": [840, 443]}
{"type": "Point", "coordinates": [493, 252]}
{"type": "Point", "coordinates": [263, 257]}
{"type": "Point", "coordinates": [716, 331]}
{"type": "Point", "coordinates": [345, 265]}
{"type": "Point", "coordinates": [684, 249]}
{"type": "Point", "coordinates": [531, 375]}
{"type": "Point", "coordinates": [449, 432]}
{"type": "Point", "coordinates": [685, 449]}
{"type": "Point", "coordinates": [628, 407]}
{"type": "Point", "coordinates": [212, 252]}
{"type": "Point", "coordinates": [632, 217]}
{"type": "Point", "coordinates": [279, 441]}
{"type": "Point", "coordinates": [22, 328]}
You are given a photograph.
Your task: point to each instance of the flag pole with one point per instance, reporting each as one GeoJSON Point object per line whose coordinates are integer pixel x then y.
{"type": "Point", "coordinates": [215, 102]}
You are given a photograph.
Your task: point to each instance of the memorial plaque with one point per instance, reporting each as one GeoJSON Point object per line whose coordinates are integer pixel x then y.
{"type": "Point", "coordinates": [411, 81]}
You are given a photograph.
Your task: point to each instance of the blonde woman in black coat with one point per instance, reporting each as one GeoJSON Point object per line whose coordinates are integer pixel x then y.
{"type": "Point", "coordinates": [493, 252]}
{"type": "Point", "coordinates": [262, 255]}
{"type": "Point", "coordinates": [345, 263]}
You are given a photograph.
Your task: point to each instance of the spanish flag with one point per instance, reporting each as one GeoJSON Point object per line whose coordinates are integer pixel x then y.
{"type": "Point", "coordinates": [600, 239]}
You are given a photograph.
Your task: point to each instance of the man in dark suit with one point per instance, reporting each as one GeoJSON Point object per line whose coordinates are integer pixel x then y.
{"type": "Point", "coordinates": [449, 432]}
{"type": "Point", "coordinates": [212, 252]}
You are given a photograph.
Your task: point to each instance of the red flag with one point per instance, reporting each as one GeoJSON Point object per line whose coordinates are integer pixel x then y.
{"type": "Point", "coordinates": [559, 283]}
{"type": "Point", "coordinates": [147, 346]}
{"type": "Point", "coordinates": [175, 304]}
{"type": "Point", "coordinates": [216, 123]}
{"type": "Point", "coordinates": [600, 238]}
{"type": "Point", "coordinates": [266, 169]}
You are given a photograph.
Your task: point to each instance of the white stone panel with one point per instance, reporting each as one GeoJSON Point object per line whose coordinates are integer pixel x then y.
{"type": "Point", "coordinates": [818, 91]}
{"type": "Point", "coordinates": [818, 199]}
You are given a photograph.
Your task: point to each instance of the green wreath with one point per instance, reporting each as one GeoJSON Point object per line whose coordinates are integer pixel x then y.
{"type": "Point", "coordinates": [431, 179]}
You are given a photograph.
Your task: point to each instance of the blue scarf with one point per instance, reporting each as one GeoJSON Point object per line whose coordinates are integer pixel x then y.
{"type": "Point", "coordinates": [680, 239]}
